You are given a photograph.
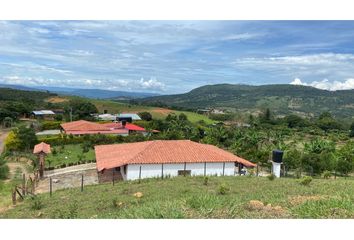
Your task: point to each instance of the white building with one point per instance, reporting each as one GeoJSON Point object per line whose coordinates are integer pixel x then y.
{"type": "Point", "coordinates": [161, 158]}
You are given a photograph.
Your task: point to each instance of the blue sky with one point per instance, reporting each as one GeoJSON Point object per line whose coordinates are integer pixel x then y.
{"type": "Point", "coordinates": [176, 56]}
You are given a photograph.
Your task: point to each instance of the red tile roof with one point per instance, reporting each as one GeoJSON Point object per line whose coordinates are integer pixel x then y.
{"type": "Point", "coordinates": [41, 147]}
{"type": "Point", "coordinates": [133, 127]}
{"type": "Point", "coordinates": [162, 151]}
{"type": "Point", "coordinates": [83, 125]}
{"type": "Point", "coordinates": [114, 131]}
{"type": "Point", "coordinates": [113, 125]}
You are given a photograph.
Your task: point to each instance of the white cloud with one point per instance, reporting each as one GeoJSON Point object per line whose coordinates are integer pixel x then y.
{"type": "Point", "coordinates": [117, 84]}
{"type": "Point", "coordinates": [151, 84]}
{"type": "Point", "coordinates": [297, 81]}
{"type": "Point", "coordinates": [241, 36]}
{"type": "Point", "coordinates": [325, 84]}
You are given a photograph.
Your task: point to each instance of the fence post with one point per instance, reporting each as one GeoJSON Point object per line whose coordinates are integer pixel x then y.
{"type": "Point", "coordinates": [23, 184]}
{"type": "Point", "coordinates": [204, 168]}
{"type": "Point", "coordinates": [257, 170]}
{"type": "Point", "coordinates": [82, 182]}
{"type": "Point", "coordinates": [113, 177]}
{"type": "Point", "coordinates": [33, 186]}
{"type": "Point", "coordinates": [139, 173]}
{"type": "Point", "coordinates": [223, 168]}
{"type": "Point", "coordinates": [162, 170]}
{"type": "Point", "coordinates": [50, 186]}
{"type": "Point", "coordinates": [14, 196]}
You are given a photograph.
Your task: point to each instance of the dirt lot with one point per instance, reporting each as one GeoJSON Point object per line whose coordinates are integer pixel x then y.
{"type": "Point", "coordinates": [69, 177]}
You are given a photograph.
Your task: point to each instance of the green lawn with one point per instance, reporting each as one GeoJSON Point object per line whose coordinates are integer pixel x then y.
{"type": "Point", "coordinates": [189, 197]}
{"type": "Point", "coordinates": [68, 154]}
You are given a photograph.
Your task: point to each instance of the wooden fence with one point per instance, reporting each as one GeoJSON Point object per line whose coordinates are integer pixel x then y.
{"type": "Point", "coordinates": [28, 187]}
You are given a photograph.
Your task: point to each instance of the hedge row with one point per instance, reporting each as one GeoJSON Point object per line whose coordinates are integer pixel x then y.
{"type": "Point", "coordinates": [93, 139]}
{"type": "Point", "coordinates": [50, 125]}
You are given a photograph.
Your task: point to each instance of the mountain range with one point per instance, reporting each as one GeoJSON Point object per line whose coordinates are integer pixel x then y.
{"type": "Point", "coordinates": [281, 99]}
{"type": "Point", "coordinates": [89, 93]}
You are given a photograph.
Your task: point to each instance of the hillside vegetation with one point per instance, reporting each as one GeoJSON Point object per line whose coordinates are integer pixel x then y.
{"type": "Point", "coordinates": [195, 197]}
{"type": "Point", "coordinates": [282, 99]}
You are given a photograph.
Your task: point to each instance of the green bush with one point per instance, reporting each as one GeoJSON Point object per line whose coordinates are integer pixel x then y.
{"type": "Point", "coordinates": [271, 177]}
{"type": "Point", "coordinates": [206, 180]}
{"type": "Point", "coordinates": [4, 169]}
{"type": "Point", "coordinates": [306, 180]}
{"type": "Point", "coordinates": [223, 189]}
{"type": "Point", "coordinates": [36, 203]}
{"type": "Point", "coordinates": [50, 125]}
{"type": "Point", "coordinates": [327, 174]}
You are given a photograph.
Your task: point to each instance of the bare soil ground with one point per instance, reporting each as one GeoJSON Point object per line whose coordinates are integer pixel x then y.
{"type": "Point", "coordinates": [163, 111]}
{"type": "Point", "coordinates": [3, 136]}
{"type": "Point", "coordinates": [56, 100]}
{"type": "Point", "coordinates": [69, 177]}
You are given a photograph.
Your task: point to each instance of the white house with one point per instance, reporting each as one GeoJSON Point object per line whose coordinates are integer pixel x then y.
{"type": "Point", "coordinates": [130, 161]}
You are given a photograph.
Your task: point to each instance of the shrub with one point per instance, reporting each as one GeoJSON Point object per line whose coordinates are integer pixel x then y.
{"type": "Point", "coordinates": [73, 210]}
{"type": "Point", "coordinates": [206, 180]}
{"type": "Point", "coordinates": [36, 203]}
{"type": "Point", "coordinates": [4, 169]}
{"type": "Point", "coordinates": [54, 151]}
{"type": "Point", "coordinates": [50, 125]}
{"type": "Point", "coordinates": [271, 177]}
{"type": "Point", "coordinates": [306, 180]}
{"type": "Point", "coordinates": [327, 174]}
{"type": "Point", "coordinates": [86, 147]}
{"type": "Point", "coordinates": [223, 189]}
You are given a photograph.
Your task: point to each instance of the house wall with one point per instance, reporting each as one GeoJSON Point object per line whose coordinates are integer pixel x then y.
{"type": "Point", "coordinates": [155, 170]}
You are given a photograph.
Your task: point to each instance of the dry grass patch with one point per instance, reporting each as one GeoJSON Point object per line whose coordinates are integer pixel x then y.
{"type": "Point", "coordinates": [259, 206]}
{"type": "Point", "coordinates": [57, 100]}
{"type": "Point", "coordinates": [162, 111]}
{"type": "Point", "coordinates": [297, 200]}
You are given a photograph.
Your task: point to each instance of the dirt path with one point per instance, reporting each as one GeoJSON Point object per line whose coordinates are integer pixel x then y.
{"type": "Point", "coordinates": [13, 166]}
{"type": "Point", "coordinates": [3, 136]}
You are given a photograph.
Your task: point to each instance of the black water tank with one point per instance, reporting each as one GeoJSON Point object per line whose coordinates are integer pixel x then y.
{"type": "Point", "coordinates": [277, 156]}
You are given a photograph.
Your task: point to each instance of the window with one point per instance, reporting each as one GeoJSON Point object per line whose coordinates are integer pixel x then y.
{"type": "Point", "coordinates": [184, 172]}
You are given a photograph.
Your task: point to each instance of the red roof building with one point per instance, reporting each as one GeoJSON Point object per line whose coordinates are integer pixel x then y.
{"type": "Point", "coordinates": [83, 127]}
{"type": "Point", "coordinates": [152, 157]}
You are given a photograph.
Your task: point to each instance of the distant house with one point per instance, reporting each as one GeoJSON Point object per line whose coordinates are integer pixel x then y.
{"type": "Point", "coordinates": [107, 117]}
{"type": "Point", "coordinates": [83, 127]}
{"type": "Point", "coordinates": [43, 114]}
{"type": "Point", "coordinates": [130, 161]}
{"type": "Point", "coordinates": [129, 117]}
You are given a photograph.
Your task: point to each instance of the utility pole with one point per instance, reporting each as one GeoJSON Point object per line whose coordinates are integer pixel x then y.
{"type": "Point", "coordinates": [71, 114]}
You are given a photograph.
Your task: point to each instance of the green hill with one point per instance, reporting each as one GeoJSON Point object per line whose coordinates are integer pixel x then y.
{"type": "Point", "coordinates": [282, 99]}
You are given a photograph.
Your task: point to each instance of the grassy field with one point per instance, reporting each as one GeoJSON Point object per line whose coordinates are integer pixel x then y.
{"type": "Point", "coordinates": [69, 154]}
{"type": "Point", "coordinates": [189, 197]}
{"type": "Point", "coordinates": [157, 113]}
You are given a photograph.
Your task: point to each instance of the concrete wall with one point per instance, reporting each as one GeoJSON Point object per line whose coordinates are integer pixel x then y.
{"type": "Point", "coordinates": [155, 170]}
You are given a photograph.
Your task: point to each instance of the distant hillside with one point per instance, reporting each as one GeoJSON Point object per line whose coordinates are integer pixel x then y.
{"type": "Point", "coordinates": [89, 93]}
{"type": "Point", "coordinates": [15, 95]}
{"type": "Point", "coordinates": [282, 99]}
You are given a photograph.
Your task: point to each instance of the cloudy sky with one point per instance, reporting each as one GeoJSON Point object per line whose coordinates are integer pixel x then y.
{"type": "Point", "coordinates": [176, 56]}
